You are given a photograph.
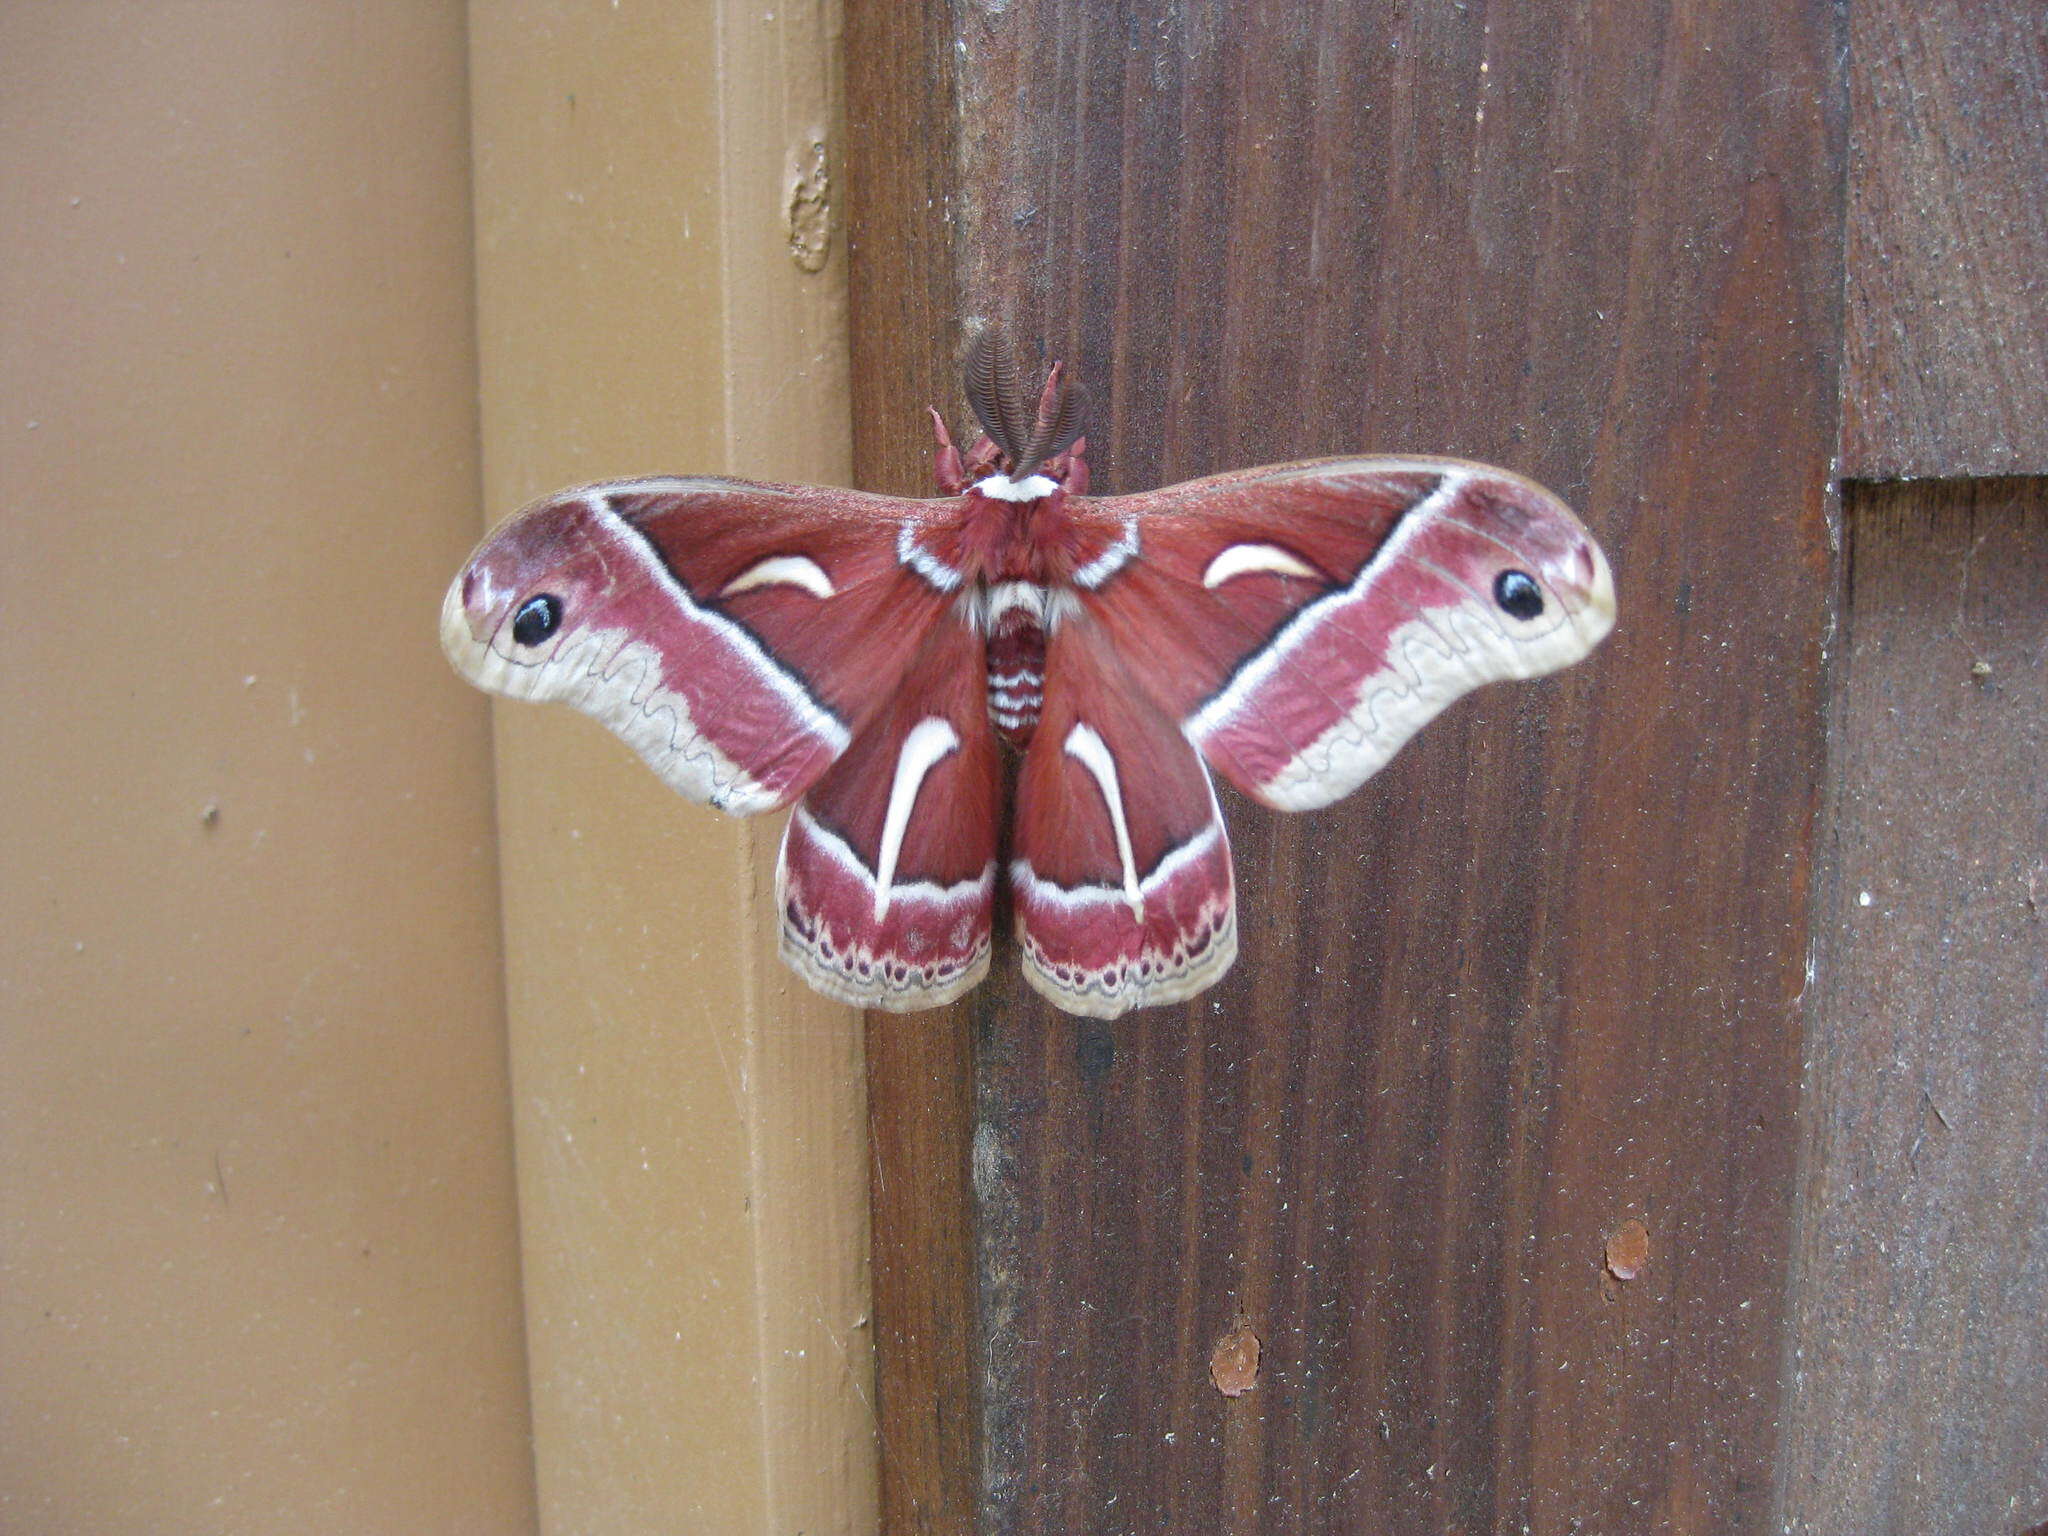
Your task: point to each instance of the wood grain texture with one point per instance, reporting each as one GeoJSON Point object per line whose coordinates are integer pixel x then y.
{"type": "Point", "coordinates": [1918, 1400]}
{"type": "Point", "coordinates": [904, 329]}
{"type": "Point", "coordinates": [1946, 371]}
{"type": "Point", "coordinates": [801, 1056]}
{"type": "Point", "coordinates": [903, 240]}
{"type": "Point", "coordinates": [1543, 976]}
{"type": "Point", "coordinates": [927, 1339]}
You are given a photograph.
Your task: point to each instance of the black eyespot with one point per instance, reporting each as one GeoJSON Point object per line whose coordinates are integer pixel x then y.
{"type": "Point", "coordinates": [538, 617]}
{"type": "Point", "coordinates": [1518, 594]}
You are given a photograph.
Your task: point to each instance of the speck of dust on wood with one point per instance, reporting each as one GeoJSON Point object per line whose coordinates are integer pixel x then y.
{"type": "Point", "coordinates": [1234, 1363]}
{"type": "Point", "coordinates": [1628, 1249]}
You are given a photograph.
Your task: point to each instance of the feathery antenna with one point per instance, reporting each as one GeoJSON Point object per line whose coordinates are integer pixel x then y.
{"type": "Point", "coordinates": [992, 389]}
{"type": "Point", "coordinates": [1025, 441]}
{"type": "Point", "coordinates": [1059, 422]}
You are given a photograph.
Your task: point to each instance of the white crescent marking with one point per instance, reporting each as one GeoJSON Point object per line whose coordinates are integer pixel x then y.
{"type": "Point", "coordinates": [1242, 559]}
{"type": "Point", "coordinates": [1254, 674]}
{"type": "Point", "coordinates": [1092, 752]}
{"type": "Point", "coordinates": [777, 677]}
{"type": "Point", "coordinates": [927, 743]}
{"type": "Point", "coordinates": [783, 571]}
{"type": "Point", "coordinates": [619, 679]}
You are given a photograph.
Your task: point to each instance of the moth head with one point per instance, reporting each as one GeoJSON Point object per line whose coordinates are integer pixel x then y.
{"type": "Point", "coordinates": [1539, 575]}
{"type": "Point", "coordinates": [529, 591]}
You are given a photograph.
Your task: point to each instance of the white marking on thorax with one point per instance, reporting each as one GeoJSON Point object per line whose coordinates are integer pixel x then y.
{"type": "Point", "coordinates": [1111, 560]}
{"type": "Point", "coordinates": [923, 748]}
{"type": "Point", "coordinates": [1243, 559]}
{"type": "Point", "coordinates": [1002, 597]}
{"type": "Point", "coordinates": [982, 607]}
{"type": "Point", "coordinates": [921, 560]}
{"type": "Point", "coordinates": [1003, 488]}
{"type": "Point", "coordinates": [783, 571]}
{"type": "Point", "coordinates": [1092, 752]}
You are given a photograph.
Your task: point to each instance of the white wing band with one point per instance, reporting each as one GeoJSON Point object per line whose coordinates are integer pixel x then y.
{"type": "Point", "coordinates": [1092, 752]}
{"type": "Point", "coordinates": [928, 742]}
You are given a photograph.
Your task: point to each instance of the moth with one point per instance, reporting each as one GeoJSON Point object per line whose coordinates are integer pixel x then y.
{"type": "Point", "coordinates": [903, 672]}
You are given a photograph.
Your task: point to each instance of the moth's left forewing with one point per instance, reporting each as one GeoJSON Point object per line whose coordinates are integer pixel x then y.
{"type": "Point", "coordinates": [1302, 622]}
{"type": "Point", "coordinates": [738, 636]}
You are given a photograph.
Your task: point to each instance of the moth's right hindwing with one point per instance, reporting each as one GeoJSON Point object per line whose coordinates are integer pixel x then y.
{"type": "Point", "coordinates": [1121, 869]}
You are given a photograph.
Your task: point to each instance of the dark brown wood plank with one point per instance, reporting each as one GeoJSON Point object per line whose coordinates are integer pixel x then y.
{"type": "Point", "coordinates": [1919, 1389]}
{"type": "Point", "coordinates": [1543, 977]}
{"type": "Point", "coordinates": [920, 1116]}
{"type": "Point", "coordinates": [1946, 371]}
{"type": "Point", "coordinates": [903, 302]}
{"type": "Point", "coordinates": [903, 320]}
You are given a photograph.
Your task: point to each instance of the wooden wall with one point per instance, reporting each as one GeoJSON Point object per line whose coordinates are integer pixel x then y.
{"type": "Point", "coordinates": [1554, 980]}
{"type": "Point", "coordinates": [1917, 1361]}
{"type": "Point", "coordinates": [1916, 1368]}
{"type": "Point", "coordinates": [259, 1264]}
{"type": "Point", "coordinates": [1723, 952]}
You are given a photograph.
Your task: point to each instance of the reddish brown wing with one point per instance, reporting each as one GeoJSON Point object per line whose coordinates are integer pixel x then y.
{"type": "Point", "coordinates": [1301, 622]}
{"type": "Point", "coordinates": [738, 636]}
{"type": "Point", "coordinates": [887, 879]}
{"type": "Point", "coordinates": [1121, 867]}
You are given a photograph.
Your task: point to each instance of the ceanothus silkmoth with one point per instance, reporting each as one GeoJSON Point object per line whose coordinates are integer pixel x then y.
{"type": "Point", "coordinates": [881, 664]}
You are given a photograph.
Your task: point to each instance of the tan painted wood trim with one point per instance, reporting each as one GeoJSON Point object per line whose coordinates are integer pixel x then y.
{"type": "Point", "coordinates": [661, 287]}
{"type": "Point", "coordinates": [258, 1261]}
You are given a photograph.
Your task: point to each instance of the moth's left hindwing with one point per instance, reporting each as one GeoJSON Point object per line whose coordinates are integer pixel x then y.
{"type": "Point", "coordinates": [737, 636]}
{"type": "Point", "coordinates": [887, 878]}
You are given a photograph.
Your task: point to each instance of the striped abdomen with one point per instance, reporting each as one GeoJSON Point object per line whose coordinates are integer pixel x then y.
{"type": "Point", "coordinates": [1016, 660]}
